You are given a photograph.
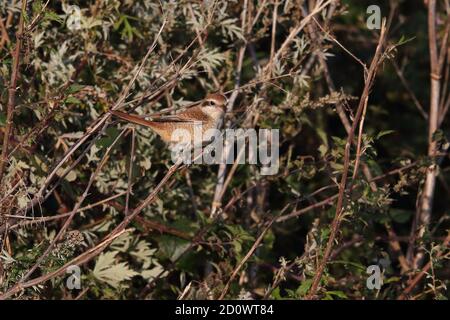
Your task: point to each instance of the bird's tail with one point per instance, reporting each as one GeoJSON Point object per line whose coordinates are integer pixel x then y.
{"type": "Point", "coordinates": [133, 119]}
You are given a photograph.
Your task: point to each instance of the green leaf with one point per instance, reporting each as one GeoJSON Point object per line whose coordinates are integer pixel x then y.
{"type": "Point", "coordinates": [384, 133]}
{"type": "Point", "coordinates": [107, 270]}
{"type": "Point", "coordinates": [276, 294]}
{"type": "Point", "coordinates": [391, 280]}
{"type": "Point", "coordinates": [111, 135]}
{"type": "Point", "coordinates": [52, 16]}
{"type": "Point", "coordinates": [72, 100]}
{"type": "Point", "coordinates": [438, 135]}
{"type": "Point", "coordinates": [74, 88]}
{"type": "Point", "coordinates": [400, 215]}
{"type": "Point", "coordinates": [304, 287]}
{"type": "Point", "coordinates": [172, 247]}
{"type": "Point", "coordinates": [323, 150]}
{"type": "Point", "coordinates": [404, 40]}
{"type": "Point", "coordinates": [143, 253]}
{"type": "Point", "coordinates": [338, 294]}
{"type": "Point", "coordinates": [36, 7]}
{"type": "Point", "coordinates": [2, 119]}
{"type": "Point", "coordinates": [153, 272]}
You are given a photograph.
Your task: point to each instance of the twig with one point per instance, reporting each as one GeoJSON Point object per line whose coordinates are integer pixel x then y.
{"type": "Point", "coordinates": [5, 37]}
{"type": "Point", "coordinates": [358, 144]}
{"type": "Point", "coordinates": [409, 90]}
{"type": "Point", "coordinates": [187, 175]}
{"type": "Point", "coordinates": [222, 167]}
{"type": "Point", "coordinates": [319, 7]}
{"type": "Point", "coordinates": [66, 225]}
{"type": "Point", "coordinates": [148, 225]}
{"type": "Point", "coordinates": [12, 92]}
{"type": "Point", "coordinates": [81, 259]}
{"type": "Point", "coordinates": [274, 31]}
{"type": "Point", "coordinates": [342, 186]}
{"type": "Point", "coordinates": [106, 116]}
{"type": "Point", "coordinates": [266, 70]}
{"type": "Point", "coordinates": [332, 88]}
{"type": "Point", "coordinates": [130, 171]}
{"type": "Point", "coordinates": [202, 45]}
{"type": "Point", "coordinates": [422, 273]}
{"type": "Point", "coordinates": [45, 122]}
{"type": "Point", "coordinates": [96, 250]}
{"type": "Point", "coordinates": [343, 47]}
{"type": "Point", "coordinates": [35, 20]}
{"type": "Point", "coordinates": [246, 257]}
{"type": "Point", "coordinates": [97, 126]}
{"type": "Point", "coordinates": [445, 99]}
{"type": "Point", "coordinates": [299, 212]}
{"type": "Point", "coordinates": [425, 205]}
{"type": "Point", "coordinates": [31, 220]}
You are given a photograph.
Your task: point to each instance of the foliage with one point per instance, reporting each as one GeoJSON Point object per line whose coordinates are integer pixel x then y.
{"type": "Point", "coordinates": [76, 60]}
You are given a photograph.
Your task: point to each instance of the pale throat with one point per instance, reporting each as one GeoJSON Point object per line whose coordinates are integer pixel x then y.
{"type": "Point", "coordinates": [214, 112]}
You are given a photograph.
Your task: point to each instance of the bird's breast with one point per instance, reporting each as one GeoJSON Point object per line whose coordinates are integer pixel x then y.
{"type": "Point", "coordinates": [215, 114]}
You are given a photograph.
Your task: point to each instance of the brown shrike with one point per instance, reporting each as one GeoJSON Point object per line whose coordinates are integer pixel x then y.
{"type": "Point", "coordinates": [208, 113]}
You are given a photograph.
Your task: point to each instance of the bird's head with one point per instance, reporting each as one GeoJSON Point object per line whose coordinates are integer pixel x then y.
{"type": "Point", "coordinates": [216, 100]}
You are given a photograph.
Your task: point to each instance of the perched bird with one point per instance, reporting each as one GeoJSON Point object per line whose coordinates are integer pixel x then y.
{"type": "Point", "coordinates": [208, 112]}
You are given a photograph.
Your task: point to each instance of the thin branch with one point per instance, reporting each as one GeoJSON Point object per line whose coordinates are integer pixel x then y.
{"type": "Point", "coordinates": [318, 8]}
{"type": "Point", "coordinates": [202, 45]}
{"type": "Point", "coordinates": [81, 259]}
{"type": "Point", "coordinates": [342, 186]}
{"type": "Point", "coordinates": [31, 220]}
{"type": "Point", "coordinates": [222, 167]}
{"type": "Point", "coordinates": [5, 36]}
{"type": "Point", "coordinates": [343, 47]}
{"type": "Point", "coordinates": [99, 123]}
{"type": "Point", "coordinates": [409, 90]}
{"type": "Point", "coordinates": [422, 273]}
{"type": "Point", "coordinates": [130, 170]}
{"type": "Point", "coordinates": [12, 92]}
{"type": "Point", "coordinates": [425, 205]}
{"type": "Point", "coordinates": [245, 259]}
{"type": "Point", "coordinates": [66, 224]}
{"type": "Point", "coordinates": [274, 31]}
{"type": "Point", "coordinates": [359, 142]}
{"type": "Point", "coordinates": [120, 229]}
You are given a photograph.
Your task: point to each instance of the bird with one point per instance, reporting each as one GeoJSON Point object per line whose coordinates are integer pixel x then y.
{"type": "Point", "coordinates": [208, 112]}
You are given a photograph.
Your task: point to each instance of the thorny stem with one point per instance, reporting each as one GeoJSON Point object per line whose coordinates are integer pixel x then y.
{"type": "Point", "coordinates": [12, 91]}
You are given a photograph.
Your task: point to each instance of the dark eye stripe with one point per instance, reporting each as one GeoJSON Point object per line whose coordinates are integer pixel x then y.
{"type": "Point", "coordinates": [209, 103]}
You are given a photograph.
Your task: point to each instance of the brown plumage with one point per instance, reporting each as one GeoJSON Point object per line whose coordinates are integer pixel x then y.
{"type": "Point", "coordinates": [208, 112]}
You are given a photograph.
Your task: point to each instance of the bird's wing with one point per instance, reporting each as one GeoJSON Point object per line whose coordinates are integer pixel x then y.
{"type": "Point", "coordinates": [191, 115]}
{"type": "Point", "coordinates": [194, 114]}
